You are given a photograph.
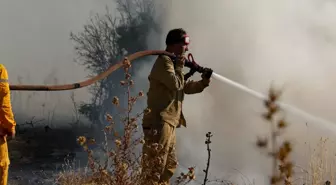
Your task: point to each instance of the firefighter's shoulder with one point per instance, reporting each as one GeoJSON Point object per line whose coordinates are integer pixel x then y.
{"type": "Point", "coordinates": [2, 67]}
{"type": "Point", "coordinates": [164, 58]}
{"type": "Point", "coordinates": [3, 73]}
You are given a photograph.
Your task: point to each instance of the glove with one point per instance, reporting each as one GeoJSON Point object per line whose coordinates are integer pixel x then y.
{"type": "Point", "coordinates": [189, 74]}
{"type": "Point", "coordinates": [207, 73]}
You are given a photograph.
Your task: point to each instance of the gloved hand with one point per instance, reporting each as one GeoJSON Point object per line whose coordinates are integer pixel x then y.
{"type": "Point", "coordinates": [206, 75]}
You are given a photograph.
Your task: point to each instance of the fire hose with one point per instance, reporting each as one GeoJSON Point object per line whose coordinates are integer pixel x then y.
{"type": "Point", "coordinates": [190, 62]}
{"type": "Point", "coordinates": [90, 81]}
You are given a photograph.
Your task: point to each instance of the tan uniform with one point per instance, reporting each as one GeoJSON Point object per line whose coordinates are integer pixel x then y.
{"type": "Point", "coordinates": [7, 124]}
{"type": "Point", "coordinates": [165, 97]}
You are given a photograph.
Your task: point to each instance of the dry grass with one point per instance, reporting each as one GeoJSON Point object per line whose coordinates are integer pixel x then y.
{"type": "Point", "coordinates": [321, 169]}
{"type": "Point", "coordinates": [121, 160]}
{"type": "Point", "coordinates": [322, 164]}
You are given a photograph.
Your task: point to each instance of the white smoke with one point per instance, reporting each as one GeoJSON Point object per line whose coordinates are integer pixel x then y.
{"type": "Point", "coordinates": [256, 43]}
{"type": "Point", "coordinates": [36, 48]}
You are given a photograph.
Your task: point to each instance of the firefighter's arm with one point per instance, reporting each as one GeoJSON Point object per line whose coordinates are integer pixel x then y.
{"type": "Point", "coordinates": [193, 87]}
{"type": "Point", "coordinates": [166, 73]}
{"type": "Point", "coordinates": [6, 114]}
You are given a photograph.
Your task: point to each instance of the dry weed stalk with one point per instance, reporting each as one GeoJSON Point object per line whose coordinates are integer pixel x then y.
{"type": "Point", "coordinates": [282, 170]}
{"type": "Point", "coordinates": [207, 142]}
{"type": "Point", "coordinates": [185, 178]}
{"type": "Point", "coordinates": [121, 165]}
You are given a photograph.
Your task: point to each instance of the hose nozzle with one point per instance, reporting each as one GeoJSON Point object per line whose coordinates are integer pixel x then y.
{"type": "Point", "coordinates": [194, 67]}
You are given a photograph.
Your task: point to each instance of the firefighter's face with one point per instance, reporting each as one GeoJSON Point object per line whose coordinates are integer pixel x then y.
{"type": "Point", "coordinates": [181, 48]}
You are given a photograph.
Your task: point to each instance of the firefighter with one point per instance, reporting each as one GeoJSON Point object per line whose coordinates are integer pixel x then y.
{"type": "Point", "coordinates": [165, 96]}
{"type": "Point", "coordinates": [7, 124]}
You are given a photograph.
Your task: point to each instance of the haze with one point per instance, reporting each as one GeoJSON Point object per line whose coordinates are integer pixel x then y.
{"type": "Point", "coordinates": [36, 49]}
{"type": "Point", "coordinates": [286, 43]}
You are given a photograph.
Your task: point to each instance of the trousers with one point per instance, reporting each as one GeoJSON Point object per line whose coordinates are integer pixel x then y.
{"type": "Point", "coordinates": [159, 161]}
{"type": "Point", "coordinates": [4, 161]}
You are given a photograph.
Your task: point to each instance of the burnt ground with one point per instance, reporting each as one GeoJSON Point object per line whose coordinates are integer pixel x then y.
{"type": "Point", "coordinates": [38, 153]}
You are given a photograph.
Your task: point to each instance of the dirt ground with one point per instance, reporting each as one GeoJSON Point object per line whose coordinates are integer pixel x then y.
{"type": "Point", "coordinates": [37, 154]}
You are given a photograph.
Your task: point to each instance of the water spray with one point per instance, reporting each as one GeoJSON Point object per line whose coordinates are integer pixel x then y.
{"type": "Point", "coordinates": [290, 108]}
{"type": "Point", "coordinates": [189, 62]}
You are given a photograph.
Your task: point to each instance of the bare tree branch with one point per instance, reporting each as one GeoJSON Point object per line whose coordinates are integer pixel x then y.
{"type": "Point", "coordinates": [105, 39]}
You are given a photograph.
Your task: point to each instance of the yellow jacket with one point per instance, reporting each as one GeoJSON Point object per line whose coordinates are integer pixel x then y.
{"type": "Point", "coordinates": [6, 115]}
{"type": "Point", "coordinates": [166, 93]}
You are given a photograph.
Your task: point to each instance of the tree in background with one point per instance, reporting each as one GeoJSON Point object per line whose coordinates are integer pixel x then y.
{"type": "Point", "coordinates": [104, 41]}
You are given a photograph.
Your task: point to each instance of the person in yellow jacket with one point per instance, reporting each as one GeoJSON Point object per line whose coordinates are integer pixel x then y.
{"type": "Point", "coordinates": [165, 96]}
{"type": "Point", "coordinates": [7, 124]}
